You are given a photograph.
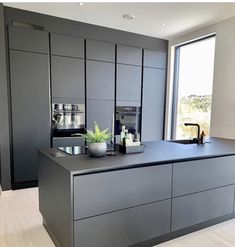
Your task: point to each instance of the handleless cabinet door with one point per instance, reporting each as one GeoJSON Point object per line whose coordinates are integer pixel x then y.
{"type": "Point", "coordinates": [65, 45]}
{"type": "Point", "coordinates": [121, 189]}
{"type": "Point", "coordinates": [28, 40]}
{"type": "Point", "coordinates": [155, 59]}
{"type": "Point", "coordinates": [67, 77]}
{"type": "Point", "coordinates": [128, 83]}
{"type": "Point", "coordinates": [100, 80]}
{"type": "Point", "coordinates": [100, 111]}
{"type": "Point", "coordinates": [199, 207]}
{"type": "Point", "coordinates": [153, 104]}
{"type": "Point", "coordinates": [30, 111]}
{"type": "Point", "coordinates": [124, 228]}
{"type": "Point", "coordinates": [199, 175]}
{"type": "Point", "coordinates": [129, 55]}
{"type": "Point", "coordinates": [102, 51]}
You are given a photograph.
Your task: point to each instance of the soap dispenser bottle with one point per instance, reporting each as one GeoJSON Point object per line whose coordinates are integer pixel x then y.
{"type": "Point", "coordinates": [203, 137]}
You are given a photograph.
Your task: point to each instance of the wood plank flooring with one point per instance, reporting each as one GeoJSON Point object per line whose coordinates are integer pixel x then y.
{"type": "Point", "coordinates": [21, 226]}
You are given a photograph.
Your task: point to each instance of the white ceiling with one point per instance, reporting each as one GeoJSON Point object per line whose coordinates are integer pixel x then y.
{"type": "Point", "coordinates": [178, 17]}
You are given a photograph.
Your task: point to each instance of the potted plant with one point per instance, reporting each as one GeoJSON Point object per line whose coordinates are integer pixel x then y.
{"type": "Point", "coordinates": [97, 140]}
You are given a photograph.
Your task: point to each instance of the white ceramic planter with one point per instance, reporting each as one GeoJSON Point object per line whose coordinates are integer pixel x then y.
{"type": "Point", "coordinates": [97, 149]}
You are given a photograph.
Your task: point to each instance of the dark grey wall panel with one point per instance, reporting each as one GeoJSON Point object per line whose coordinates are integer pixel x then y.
{"type": "Point", "coordinates": [30, 111]}
{"type": "Point", "coordinates": [100, 80]}
{"type": "Point", "coordinates": [199, 207]}
{"type": "Point", "coordinates": [67, 45]}
{"type": "Point", "coordinates": [155, 59]}
{"type": "Point", "coordinates": [193, 176]}
{"type": "Point", "coordinates": [100, 111]}
{"type": "Point", "coordinates": [89, 31]}
{"type": "Point", "coordinates": [129, 55]}
{"type": "Point", "coordinates": [153, 104]}
{"type": "Point", "coordinates": [125, 227]}
{"type": "Point", "coordinates": [4, 111]}
{"type": "Point", "coordinates": [120, 189]}
{"type": "Point", "coordinates": [28, 40]}
{"type": "Point", "coordinates": [68, 141]}
{"type": "Point", "coordinates": [67, 77]}
{"type": "Point", "coordinates": [128, 83]}
{"type": "Point", "coordinates": [101, 51]}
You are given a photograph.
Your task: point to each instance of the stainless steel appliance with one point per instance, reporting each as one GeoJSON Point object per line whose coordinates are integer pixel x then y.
{"type": "Point", "coordinates": [68, 119]}
{"type": "Point", "coordinates": [130, 117]}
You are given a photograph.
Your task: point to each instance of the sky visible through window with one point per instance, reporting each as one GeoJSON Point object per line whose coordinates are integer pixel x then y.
{"type": "Point", "coordinates": [195, 83]}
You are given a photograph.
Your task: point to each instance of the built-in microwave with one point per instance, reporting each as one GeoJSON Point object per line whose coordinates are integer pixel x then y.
{"type": "Point", "coordinates": [128, 116]}
{"type": "Point", "coordinates": [68, 119]}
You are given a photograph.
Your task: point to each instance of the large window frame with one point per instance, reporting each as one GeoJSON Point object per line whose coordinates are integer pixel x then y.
{"type": "Point", "coordinates": [176, 81]}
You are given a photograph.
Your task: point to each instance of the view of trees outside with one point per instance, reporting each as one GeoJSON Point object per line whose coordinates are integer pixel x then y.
{"type": "Point", "coordinates": [195, 83]}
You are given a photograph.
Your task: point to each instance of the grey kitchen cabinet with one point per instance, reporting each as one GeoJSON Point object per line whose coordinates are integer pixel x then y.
{"type": "Point", "coordinates": [65, 45]}
{"type": "Point", "coordinates": [67, 76]}
{"type": "Point", "coordinates": [129, 55]}
{"type": "Point", "coordinates": [199, 175]}
{"type": "Point", "coordinates": [199, 207]}
{"type": "Point", "coordinates": [120, 189]}
{"type": "Point", "coordinates": [28, 40]}
{"type": "Point", "coordinates": [30, 111]}
{"type": "Point", "coordinates": [100, 111]}
{"type": "Point", "coordinates": [68, 141]}
{"type": "Point", "coordinates": [124, 228]}
{"type": "Point", "coordinates": [154, 81]}
{"type": "Point", "coordinates": [128, 83]}
{"type": "Point", "coordinates": [155, 59]}
{"type": "Point", "coordinates": [101, 51]}
{"type": "Point", "coordinates": [100, 80]}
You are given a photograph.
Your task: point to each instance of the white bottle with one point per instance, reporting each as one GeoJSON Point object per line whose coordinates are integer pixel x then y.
{"type": "Point", "coordinates": [122, 134]}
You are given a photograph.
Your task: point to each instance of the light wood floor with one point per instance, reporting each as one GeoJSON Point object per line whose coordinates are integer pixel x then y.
{"type": "Point", "coordinates": [21, 226]}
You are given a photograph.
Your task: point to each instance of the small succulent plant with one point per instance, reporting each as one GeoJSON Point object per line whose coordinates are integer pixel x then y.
{"type": "Point", "coordinates": [97, 136]}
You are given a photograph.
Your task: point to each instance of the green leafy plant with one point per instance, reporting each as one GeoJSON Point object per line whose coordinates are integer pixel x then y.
{"type": "Point", "coordinates": [97, 136]}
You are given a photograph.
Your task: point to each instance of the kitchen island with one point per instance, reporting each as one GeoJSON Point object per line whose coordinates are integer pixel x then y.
{"type": "Point", "coordinates": [138, 199]}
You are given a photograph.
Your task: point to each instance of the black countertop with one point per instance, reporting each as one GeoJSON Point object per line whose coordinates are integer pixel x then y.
{"type": "Point", "coordinates": [156, 153]}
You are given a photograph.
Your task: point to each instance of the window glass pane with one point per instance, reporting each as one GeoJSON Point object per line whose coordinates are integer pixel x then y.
{"type": "Point", "coordinates": [195, 80]}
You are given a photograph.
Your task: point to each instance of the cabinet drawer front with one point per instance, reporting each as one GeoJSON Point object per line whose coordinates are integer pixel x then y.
{"type": "Point", "coordinates": [68, 142]}
{"type": "Point", "coordinates": [125, 227]}
{"type": "Point", "coordinates": [155, 59]}
{"type": "Point", "coordinates": [195, 176]}
{"type": "Point", "coordinates": [105, 192]}
{"type": "Point", "coordinates": [199, 207]}
{"type": "Point", "coordinates": [101, 51]}
{"type": "Point", "coordinates": [129, 55]}
{"type": "Point", "coordinates": [28, 40]}
{"type": "Point", "coordinates": [67, 45]}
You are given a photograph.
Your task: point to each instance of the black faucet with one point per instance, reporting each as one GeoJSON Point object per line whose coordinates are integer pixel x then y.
{"type": "Point", "coordinates": [198, 130]}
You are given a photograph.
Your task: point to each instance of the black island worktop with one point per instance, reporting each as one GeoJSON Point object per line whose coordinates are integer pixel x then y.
{"type": "Point", "coordinates": [138, 199]}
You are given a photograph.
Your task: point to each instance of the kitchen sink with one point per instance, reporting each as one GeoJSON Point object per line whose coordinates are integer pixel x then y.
{"type": "Point", "coordinates": [186, 141]}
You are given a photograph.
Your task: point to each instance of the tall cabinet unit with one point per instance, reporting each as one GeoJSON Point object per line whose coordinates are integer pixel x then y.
{"type": "Point", "coordinates": [154, 81]}
{"type": "Point", "coordinates": [129, 65]}
{"type": "Point", "coordinates": [29, 83]}
{"type": "Point", "coordinates": [67, 77]}
{"type": "Point", "coordinates": [100, 83]}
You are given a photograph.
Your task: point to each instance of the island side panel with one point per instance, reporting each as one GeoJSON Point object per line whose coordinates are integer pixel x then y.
{"type": "Point", "coordinates": [55, 201]}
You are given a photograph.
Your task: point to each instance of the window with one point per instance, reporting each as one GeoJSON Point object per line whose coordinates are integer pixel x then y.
{"type": "Point", "coordinates": [193, 80]}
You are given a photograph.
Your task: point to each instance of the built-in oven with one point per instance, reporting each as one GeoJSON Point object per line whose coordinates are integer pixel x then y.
{"type": "Point", "coordinates": [128, 116]}
{"type": "Point", "coordinates": [68, 119]}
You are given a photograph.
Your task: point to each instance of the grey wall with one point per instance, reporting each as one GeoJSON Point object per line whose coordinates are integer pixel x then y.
{"type": "Point", "coordinates": [5, 173]}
